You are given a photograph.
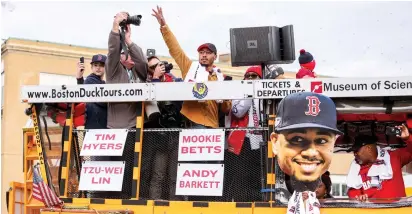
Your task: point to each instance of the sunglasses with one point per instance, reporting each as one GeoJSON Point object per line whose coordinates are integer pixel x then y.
{"type": "Point", "coordinates": [251, 76]}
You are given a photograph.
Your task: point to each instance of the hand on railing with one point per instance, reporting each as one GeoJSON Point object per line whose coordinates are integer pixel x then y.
{"type": "Point", "coordinates": [362, 198]}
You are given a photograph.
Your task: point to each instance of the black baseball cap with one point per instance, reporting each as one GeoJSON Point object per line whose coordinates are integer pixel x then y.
{"type": "Point", "coordinates": [362, 140]}
{"type": "Point", "coordinates": [273, 71]}
{"type": "Point", "coordinates": [99, 58]}
{"type": "Point", "coordinates": [209, 46]}
{"type": "Point", "coordinates": [306, 110]}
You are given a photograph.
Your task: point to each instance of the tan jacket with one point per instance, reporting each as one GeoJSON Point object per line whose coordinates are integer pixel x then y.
{"type": "Point", "coordinates": [204, 113]}
{"type": "Point", "coordinates": [123, 115]}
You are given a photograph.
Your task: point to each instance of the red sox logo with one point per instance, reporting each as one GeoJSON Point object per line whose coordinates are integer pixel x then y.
{"type": "Point", "coordinates": [313, 106]}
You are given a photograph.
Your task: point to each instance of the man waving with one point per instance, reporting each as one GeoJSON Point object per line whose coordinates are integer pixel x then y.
{"type": "Point", "coordinates": [376, 172]}
{"type": "Point", "coordinates": [199, 114]}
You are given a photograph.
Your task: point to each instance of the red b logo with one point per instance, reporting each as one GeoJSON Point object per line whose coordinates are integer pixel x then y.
{"type": "Point", "coordinates": [313, 106]}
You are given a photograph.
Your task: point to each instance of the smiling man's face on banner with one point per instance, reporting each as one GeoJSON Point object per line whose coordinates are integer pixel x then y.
{"type": "Point", "coordinates": [304, 153]}
{"type": "Point", "coordinates": [305, 134]}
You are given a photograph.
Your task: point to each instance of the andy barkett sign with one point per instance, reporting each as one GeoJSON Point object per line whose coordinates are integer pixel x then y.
{"type": "Point", "coordinates": [335, 87]}
{"type": "Point", "coordinates": [200, 179]}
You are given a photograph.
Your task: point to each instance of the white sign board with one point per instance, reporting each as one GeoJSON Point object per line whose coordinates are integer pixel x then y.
{"type": "Point", "coordinates": [200, 179]}
{"type": "Point", "coordinates": [271, 89]}
{"type": "Point", "coordinates": [104, 142]}
{"type": "Point", "coordinates": [335, 87]}
{"type": "Point", "coordinates": [213, 90]}
{"type": "Point", "coordinates": [85, 93]}
{"type": "Point", "coordinates": [102, 175]}
{"type": "Point", "coordinates": [201, 145]}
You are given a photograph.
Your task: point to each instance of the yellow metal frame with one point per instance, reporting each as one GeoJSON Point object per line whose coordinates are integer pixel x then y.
{"type": "Point", "coordinates": [138, 152]}
{"type": "Point", "coordinates": [67, 145]}
{"type": "Point", "coordinates": [37, 136]}
{"type": "Point", "coordinates": [33, 151]}
{"type": "Point", "coordinates": [186, 207]}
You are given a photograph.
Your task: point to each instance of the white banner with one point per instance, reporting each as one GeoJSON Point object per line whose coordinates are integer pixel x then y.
{"type": "Point", "coordinates": [200, 179]}
{"type": "Point", "coordinates": [213, 90]}
{"type": "Point", "coordinates": [104, 142]}
{"type": "Point", "coordinates": [86, 93]}
{"type": "Point", "coordinates": [335, 87]}
{"type": "Point", "coordinates": [218, 90]}
{"type": "Point", "coordinates": [102, 176]}
{"type": "Point", "coordinates": [201, 145]}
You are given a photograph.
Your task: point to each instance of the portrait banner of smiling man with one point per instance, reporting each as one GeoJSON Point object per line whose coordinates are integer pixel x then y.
{"type": "Point", "coordinates": [303, 141]}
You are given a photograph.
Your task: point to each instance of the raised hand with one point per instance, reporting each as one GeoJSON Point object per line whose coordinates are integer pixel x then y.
{"type": "Point", "coordinates": [159, 16]}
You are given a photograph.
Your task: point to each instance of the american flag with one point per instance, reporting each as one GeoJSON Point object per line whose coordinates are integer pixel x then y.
{"type": "Point", "coordinates": [42, 192]}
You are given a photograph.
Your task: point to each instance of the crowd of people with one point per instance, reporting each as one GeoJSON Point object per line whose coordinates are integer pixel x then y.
{"type": "Point", "coordinates": [375, 173]}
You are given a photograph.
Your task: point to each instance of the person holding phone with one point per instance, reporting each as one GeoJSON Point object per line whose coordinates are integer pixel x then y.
{"type": "Point", "coordinates": [96, 113]}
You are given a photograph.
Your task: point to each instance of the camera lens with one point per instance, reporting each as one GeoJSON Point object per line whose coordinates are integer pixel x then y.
{"type": "Point", "coordinates": [134, 20]}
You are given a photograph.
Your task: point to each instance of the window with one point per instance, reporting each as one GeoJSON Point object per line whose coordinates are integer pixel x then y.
{"type": "Point", "coordinates": [344, 190]}
{"type": "Point", "coordinates": [336, 189]}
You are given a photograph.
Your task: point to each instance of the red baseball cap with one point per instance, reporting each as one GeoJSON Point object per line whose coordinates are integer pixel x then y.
{"type": "Point", "coordinates": [209, 46]}
{"type": "Point", "coordinates": [254, 69]}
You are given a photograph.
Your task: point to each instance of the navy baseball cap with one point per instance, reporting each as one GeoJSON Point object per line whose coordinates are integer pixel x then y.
{"type": "Point", "coordinates": [306, 110]}
{"type": "Point", "coordinates": [99, 58]}
{"type": "Point", "coordinates": [362, 140]}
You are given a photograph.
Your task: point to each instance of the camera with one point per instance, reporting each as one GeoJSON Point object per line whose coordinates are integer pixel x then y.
{"type": "Point", "coordinates": [168, 66]}
{"type": "Point", "coordinates": [134, 20]}
{"type": "Point", "coordinates": [170, 114]}
{"type": "Point", "coordinates": [393, 131]}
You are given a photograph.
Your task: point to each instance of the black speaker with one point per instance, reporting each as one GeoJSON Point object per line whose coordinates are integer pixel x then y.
{"type": "Point", "coordinates": [257, 45]}
{"type": "Point", "coordinates": [150, 52]}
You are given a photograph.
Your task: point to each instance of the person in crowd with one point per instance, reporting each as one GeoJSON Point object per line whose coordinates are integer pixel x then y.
{"type": "Point", "coordinates": [96, 113]}
{"type": "Point", "coordinates": [204, 114]}
{"type": "Point", "coordinates": [376, 172]}
{"type": "Point", "coordinates": [307, 65]}
{"type": "Point", "coordinates": [274, 71]}
{"type": "Point", "coordinates": [325, 187]}
{"type": "Point", "coordinates": [122, 69]}
{"type": "Point", "coordinates": [161, 156]}
{"type": "Point", "coordinates": [243, 157]}
{"type": "Point", "coordinates": [303, 140]}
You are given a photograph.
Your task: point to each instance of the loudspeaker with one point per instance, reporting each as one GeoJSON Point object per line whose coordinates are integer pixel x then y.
{"type": "Point", "coordinates": [150, 52]}
{"type": "Point", "coordinates": [257, 45]}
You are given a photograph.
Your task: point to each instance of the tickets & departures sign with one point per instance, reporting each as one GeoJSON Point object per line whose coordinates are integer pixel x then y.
{"type": "Point", "coordinates": [201, 145]}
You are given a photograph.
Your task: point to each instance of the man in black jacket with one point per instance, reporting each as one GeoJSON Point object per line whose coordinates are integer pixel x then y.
{"type": "Point", "coordinates": [96, 113]}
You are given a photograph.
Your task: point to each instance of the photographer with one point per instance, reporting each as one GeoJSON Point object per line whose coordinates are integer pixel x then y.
{"type": "Point", "coordinates": [124, 69]}
{"type": "Point", "coordinates": [160, 156]}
